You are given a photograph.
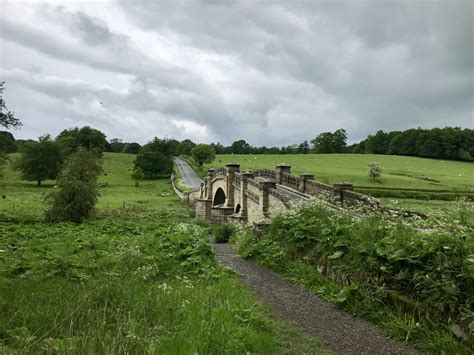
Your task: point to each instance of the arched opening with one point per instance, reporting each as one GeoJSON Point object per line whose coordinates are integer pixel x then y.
{"type": "Point", "coordinates": [219, 197]}
{"type": "Point", "coordinates": [237, 208]}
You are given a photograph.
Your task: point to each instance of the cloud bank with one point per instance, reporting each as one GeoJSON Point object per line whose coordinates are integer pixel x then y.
{"type": "Point", "coordinates": [270, 72]}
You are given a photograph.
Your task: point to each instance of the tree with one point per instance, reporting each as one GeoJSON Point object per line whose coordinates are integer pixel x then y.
{"type": "Point", "coordinates": [240, 147]}
{"type": "Point", "coordinates": [87, 137]}
{"type": "Point", "coordinates": [186, 147]}
{"type": "Point", "coordinates": [203, 153]}
{"type": "Point", "coordinates": [7, 142]}
{"type": "Point", "coordinates": [155, 158]}
{"type": "Point", "coordinates": [3, 162]}
{"type": "Point", "coordinates": [116, 145]}
{"type": "Point", "coordinates": [378, 143]}
{"type": "Point", "coordinates": [375, 170]}
{"type": "Point", "coordinates": [7, 118]}
{"type": "Point", "coordinates": [132, 148]}
{"type": "Point", "coordinates": [328, 142]}
{"type": "Point", "coordinates": [40, 160]}
{"type": "Point", "coordinates": [76, 193]}
{"type": "Point", "coordinates": [153, 163]}
{"type": "Point", "coordinates": [303, 148]}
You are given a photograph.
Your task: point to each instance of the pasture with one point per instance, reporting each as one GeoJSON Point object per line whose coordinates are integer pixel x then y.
{"type": "Point", "coordinates": [399, 171]}
{"type": "Point", "coordinates": [140, 277]}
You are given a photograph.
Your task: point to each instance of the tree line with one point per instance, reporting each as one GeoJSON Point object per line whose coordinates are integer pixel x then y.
{"type": "Point", "coordinates": [441, 143]}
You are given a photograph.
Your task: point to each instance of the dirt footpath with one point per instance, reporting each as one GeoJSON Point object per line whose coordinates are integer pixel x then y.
{"type": "Point", "coordinates": [334, 328]}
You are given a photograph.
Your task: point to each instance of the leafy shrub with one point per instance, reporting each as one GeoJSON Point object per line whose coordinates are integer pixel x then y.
{"type": "Point", "coordinates": [222, 232]}
{"type": "Point", "coordinates": [429, 272]}
{"type": "Point", "coordinates": [77, 192]}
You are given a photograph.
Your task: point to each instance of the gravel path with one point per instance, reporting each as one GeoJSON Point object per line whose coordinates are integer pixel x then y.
{"type": "Point", "coordinates": [334, 328]}
{"type": "Point", "coordinates": [188, 175]}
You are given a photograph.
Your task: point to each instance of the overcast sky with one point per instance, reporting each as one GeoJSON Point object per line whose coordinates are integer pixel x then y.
{"type": "Point", "coordinates": [270, 72]}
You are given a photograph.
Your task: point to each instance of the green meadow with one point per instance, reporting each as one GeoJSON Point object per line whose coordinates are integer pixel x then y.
{"type": "Point", "coordinates": [399, 171]}
{"type": "Point", "coordinates": [139, 277]}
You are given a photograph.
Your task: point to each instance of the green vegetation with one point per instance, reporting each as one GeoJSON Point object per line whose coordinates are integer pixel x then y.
{"type": "Point", "coordinates": [223, 232]}
{"type": "Point", "coordinates": [155, 159]}
{"type": "Point", "coordinates": [375, 170]}
{"type": "Point", "coordinates": [178, 181]}
{"type": "Point", "coordinates": [140, 277]}
{"type": "Point", "coordinates": [40, 160]}
{"type": "Point", "coordinates": [7, 118]}
{"type": "Point", "coordinates": [86, 137]}
{"type": "Point", "coordinates": [76, 193]}
{"type": "Point", "coordinates": [203, 153]}
{"type": "Point", "coordinates": [7, 142]}
{"type": "Point", "coordinates": [399, 172]}
{"type": "Point", "coordinates": [414, 279]}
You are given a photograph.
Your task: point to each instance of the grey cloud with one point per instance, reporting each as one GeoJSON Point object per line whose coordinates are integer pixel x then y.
{"type": "Point", "coordinates": [271, 72]}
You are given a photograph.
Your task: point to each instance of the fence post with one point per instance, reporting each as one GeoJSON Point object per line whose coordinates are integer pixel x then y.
{"type": "Point", "coordinates": [280, 170]}
{"type": "Point", "coordinates": [338, 190]}
{"type": "Point", "coordinates": [302, 181]}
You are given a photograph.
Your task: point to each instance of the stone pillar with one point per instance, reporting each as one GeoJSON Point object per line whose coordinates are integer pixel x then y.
{"type": "Point", "coordinates": [210, 174]}
{"type": "Point", "coordinates": [231, 169]}
{"type": "Point", "coordinates": [243, 193]}
{"type": "Point", "coordinates": [302, 181]}
{"type": "Point", "coordinates": [338, 191]}
{"type": "Point", "coordinates": [203, 209]}
{"type": "Point", "coordinates": [201, 191]}
{"type": "Point", "coordinates": [280, 170]}
{"type": "Point", "coordinates": [264, 187]}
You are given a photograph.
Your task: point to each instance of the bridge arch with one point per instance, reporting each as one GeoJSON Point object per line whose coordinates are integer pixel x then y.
{"type": "Point", "coordinates": [219, 197]}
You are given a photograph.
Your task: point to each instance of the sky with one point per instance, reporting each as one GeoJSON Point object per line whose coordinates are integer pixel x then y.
{"type": "Point", "coordinates": [271, 72]}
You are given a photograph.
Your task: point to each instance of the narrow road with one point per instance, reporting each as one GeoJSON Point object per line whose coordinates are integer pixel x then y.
{"type": "Point", "coordinates": [334, 328]}
{"type": "Point", "coordinates": [188, 175]}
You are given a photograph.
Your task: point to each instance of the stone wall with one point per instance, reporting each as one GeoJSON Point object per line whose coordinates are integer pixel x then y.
{"type": "Point", "coordinates": [253, 196]}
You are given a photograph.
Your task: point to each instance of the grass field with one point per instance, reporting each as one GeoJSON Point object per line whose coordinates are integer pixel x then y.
{"type": "Point", "coordinates": [138, 278]}
{"type": "Point", "coordinates": [399, 171]}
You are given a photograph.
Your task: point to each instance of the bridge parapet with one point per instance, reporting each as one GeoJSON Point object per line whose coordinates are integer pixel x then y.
{"type": "Point", "coordinates": [266, 173]}
{"type": "Point", "coordinates": [228, 194]}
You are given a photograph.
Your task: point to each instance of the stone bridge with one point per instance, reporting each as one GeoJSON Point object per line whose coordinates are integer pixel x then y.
{"type": "Point", "coordinates": [251, 196]}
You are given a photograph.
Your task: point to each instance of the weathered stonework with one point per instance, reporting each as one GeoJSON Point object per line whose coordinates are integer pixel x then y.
{"type": "Point", "coordinates": [227, 194]}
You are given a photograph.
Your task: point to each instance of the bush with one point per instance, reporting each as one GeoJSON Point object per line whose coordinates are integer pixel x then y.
{"type": "Point", "coordinates": [429, 270]}
{"type": "Point", "coordinates": [77, 191]}
{"type": "Point", "coordinates": [223, 232]}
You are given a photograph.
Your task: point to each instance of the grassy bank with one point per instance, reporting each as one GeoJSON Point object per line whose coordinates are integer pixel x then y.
{"type": "Point", "coordinates": [138, 278]}
{"type": "Point", "coordinates": [399, 171]}
{"type": "Point", "coordinates": [416, 283]}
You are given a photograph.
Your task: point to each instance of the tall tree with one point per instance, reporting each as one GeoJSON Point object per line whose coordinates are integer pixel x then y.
{"type": "Point", "coordinates": [155, 158]}
{"type": "Point", "coordinates": [7, 118]}
{"type": "Point", "coordinates": [3, 162]}
{"type": "Point", "coordinates": [40, 160]}
{"type": "Point", "coordinates": [303, 148]}
{"type": "Point", "coordinates": [132, 148]}
{"type": "Point", "coordinates": [186, 147]}
{"type": "Point", "coordinates": [116, 145]}
{"type": "Point", "coordinates": [240, 147]}
{"type": "Point", "coordinates": [328, 142]}
{"type": "Point", "coordinates": [86, 137]}
{"type": "Point", "coordinates": [7, 142]}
